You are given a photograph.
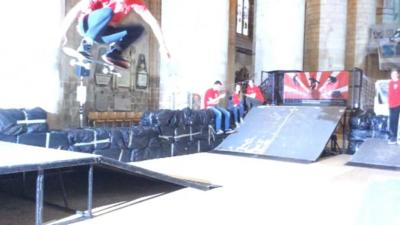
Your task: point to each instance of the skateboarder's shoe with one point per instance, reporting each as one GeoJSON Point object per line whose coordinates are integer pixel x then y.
{"type": "Point", "coordinates": [237, 124]}
{"type": "Point", "coordinates": [114, 57]}
{"type": "Point", "coordinates": [229, 131]}
{"type": "Point", "coordinates": [392, 142]}
{"type": "Point", "coordinates": [219, 132]}
{"type": "Point", "coordinates": [85, 48]}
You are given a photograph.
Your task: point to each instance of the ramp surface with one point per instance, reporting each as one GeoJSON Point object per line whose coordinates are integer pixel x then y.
{"type": "Point", "coordinates": [156, 172]}
{"type": "Point", "coordinates": [15, 158]}
{"type": "Point", "coordinates": [297, 133]}
{"type": "Point", "coordinates": [376, 153]}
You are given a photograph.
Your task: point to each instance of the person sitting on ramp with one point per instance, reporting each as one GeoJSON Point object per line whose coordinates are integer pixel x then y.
{"type": "Point", "coordinates": [211, 101]}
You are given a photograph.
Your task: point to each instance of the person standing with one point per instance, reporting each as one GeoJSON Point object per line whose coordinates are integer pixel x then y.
{"type": "Point", "coordinates": [394, 105]}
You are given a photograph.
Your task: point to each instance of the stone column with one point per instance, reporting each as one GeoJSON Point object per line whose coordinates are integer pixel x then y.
{"type": "Point", "coordinates": [332, 34]}
{"type": "Point", "coordinates": [311, 36]}
{"type": "Point", "coordinates": [325, 35]}
{"type": "Point", "coordinates": [279, 35]}
{"type": "Point", "coordinates": [361, 15]}
{"type": "Point", "coordinates": [197, 34]}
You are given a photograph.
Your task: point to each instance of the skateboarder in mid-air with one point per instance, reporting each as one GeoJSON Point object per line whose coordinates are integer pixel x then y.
{"type": "Point", "coordinates": [394, 105]}
{"type": "Point", "coordinates": [100, 21]}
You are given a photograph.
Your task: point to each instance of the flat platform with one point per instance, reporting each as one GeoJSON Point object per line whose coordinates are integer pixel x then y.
{"type": "Point", "coordinates": [377, 153]}
{"type": "Point", "coordinates": [298, 133]}
{"type": "Point", "coordinates": [15, 158]}
{"type": "Point", "coordinates": [258, 192]}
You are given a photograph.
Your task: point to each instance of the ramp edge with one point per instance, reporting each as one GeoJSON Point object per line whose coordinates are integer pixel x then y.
{"type": "Point", "coordinates": [114, 164]}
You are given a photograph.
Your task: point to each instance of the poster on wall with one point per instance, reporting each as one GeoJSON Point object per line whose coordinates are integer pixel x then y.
{"type": "Point", "coordinates": [316, 88]}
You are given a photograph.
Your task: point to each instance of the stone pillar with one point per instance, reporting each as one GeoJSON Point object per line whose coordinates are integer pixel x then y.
{"type": "Point", "coordinates": [325, 35]}
{"type": "Point", "coordinates": [332, 34]}
{"type": "Point", "coordinates": [279, 35]}
{"type": "Point", "coordinates": [197, 35]}
{"type": "Point", "coordinates": [361, 15]}
{"type": "Point", "coordinates": [311, 36]}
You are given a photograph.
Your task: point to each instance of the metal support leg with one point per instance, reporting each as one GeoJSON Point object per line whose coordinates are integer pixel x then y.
{"type": "Point", "coordinates": [39, 198]}
{"type": "Point", "coordinates": [172, 149]}
{"type": "Point", "coordinates": [24, 184]}
{"type": "Point", "coordinates": [64, 192]}
{"type": "Point", "coordinates": [344, 133]}
{"type": "Point", "coordinates": [90, 193]}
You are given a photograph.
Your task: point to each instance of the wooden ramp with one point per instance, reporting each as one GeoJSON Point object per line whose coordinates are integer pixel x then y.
{"type": "Point", "coordinates": [298, 133]}
{"type": "Point", "coordinates": [376, 153]}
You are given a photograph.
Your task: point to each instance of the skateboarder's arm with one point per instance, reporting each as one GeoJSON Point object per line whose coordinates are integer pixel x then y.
{"type": "Point", "coordinates": [253, 95]}
{"type": "Point", "coordinates": [155, 27]}
{"type": "Point", "coordinates": [70, 18]}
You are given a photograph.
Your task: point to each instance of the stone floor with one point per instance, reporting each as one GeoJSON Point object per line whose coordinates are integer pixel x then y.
{"type": "Point", "coordinates": [254, 191]}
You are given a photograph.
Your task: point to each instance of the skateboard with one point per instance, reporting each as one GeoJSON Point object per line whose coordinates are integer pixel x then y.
{"type": "Point", "coordinates": [78, 60]}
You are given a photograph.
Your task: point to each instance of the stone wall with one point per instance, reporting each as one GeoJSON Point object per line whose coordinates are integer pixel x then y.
{"type": "Point", "coordinates": [197, 33]}
{"type": "Point", "coordinates": [325, 35]}
{"type": "Point", "coordinates": [358, 26]}
{"type": "Point", "coordinates": [311, 35]}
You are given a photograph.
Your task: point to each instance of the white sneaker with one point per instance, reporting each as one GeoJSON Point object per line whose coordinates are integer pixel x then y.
{"type": "Point", "coordinates": [237, 125]}
{"type": "Point", "coordinates": [219, 132]}
{"type": "Point", "coordinates": [241, 120]}
{"type": "Point", "coordinates": [390, 142]}
{"type": "Point", "coordinates": [229, 131]}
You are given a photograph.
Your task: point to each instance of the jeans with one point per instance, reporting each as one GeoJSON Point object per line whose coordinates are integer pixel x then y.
{"type": "Point", "coordinates": [218, 111]}
{"type": "Point", "coordinates": [238, 112]}
{"type": "Point", "coordinates": [95, 26]}
{"type": "Point", "coordinates": [393, 122]}
{"type": "Point", "coordinates": [251, 102]}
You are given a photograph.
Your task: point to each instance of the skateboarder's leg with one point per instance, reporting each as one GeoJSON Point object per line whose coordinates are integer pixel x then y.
{"type": "Point", "coordinates": [393, 124]}
{"type": "Point", "coordinates": [122, 38]}
{"type": "Point", "coordinates": [91, 27]}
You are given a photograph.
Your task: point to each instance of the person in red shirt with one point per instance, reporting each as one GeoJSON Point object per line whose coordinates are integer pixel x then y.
{"type": "Point", "coordinates": [394, 105]}
{"type": "Point", "coordinates": [211, 101]}
{"type": "Point", "coordinates": [100, 21]}
{"type": "Point", "coordinates": [235, 105]}
{"type": "Point", "coordinates": [254, 96]}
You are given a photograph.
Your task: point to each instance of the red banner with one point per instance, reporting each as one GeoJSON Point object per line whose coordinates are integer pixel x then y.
{"type": "Point", "coordinates": [327, 88]}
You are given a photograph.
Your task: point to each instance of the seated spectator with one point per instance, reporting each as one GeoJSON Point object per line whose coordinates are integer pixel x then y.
{"type": "Point", "coordinates": [254, 96]}
{"type": "Point", "coordinates": [211, 101]}
{"type": "Point", "coordinates": [235, 105]}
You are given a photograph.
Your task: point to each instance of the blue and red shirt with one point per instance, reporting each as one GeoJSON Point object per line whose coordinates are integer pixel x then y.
{"type": "Point", "coordinates": [120, 8]}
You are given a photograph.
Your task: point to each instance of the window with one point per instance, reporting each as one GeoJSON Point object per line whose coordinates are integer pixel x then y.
{"type": "Point", "coordinates": [242, 17]}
